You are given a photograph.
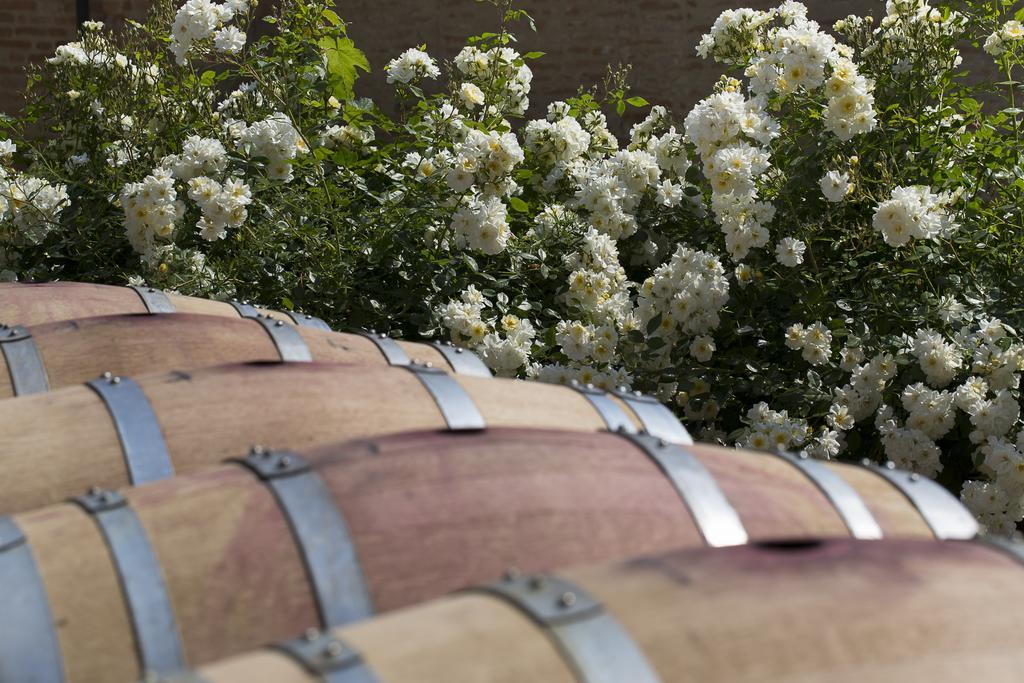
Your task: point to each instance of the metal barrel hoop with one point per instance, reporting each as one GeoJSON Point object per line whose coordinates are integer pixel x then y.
{"type": "Point", "coordinates": [1003, 544]}
{"type": "Point", "coordinates": [459, 411]}
{"type": "Point", "coordinates": [155, 300]}
{"type": "Point", "coordinates": [591, 641]}
{"type": "Point", "coordinates": [289, 343]}
{"type": "Point", "coordinates": [29, 650]}
{"type": "Point", "coordinates": [244, 310]}
{"type": "Point", "coordinates": [615, 419]}
{"type": "Point", "coordinates": [844, 498]}
{"type": "Point", "coordinates": [142, 442]}
{"type": "Point", "coordinates": [319, 531]}
{"type": "Point", "coordinates": [463, 362]}
{"type": "Point", "coordinates": [303, 320]}
{"type": "Point", "coordinates": [142, 581]}
{"type": "Point", "coordinates": [24, 362]}
{"type": "Point", "coordinates": [388, 347]}
{"type": "Point", "coordinates": [715, 517]}
{"type": "Point", "coordinates": [656, 418]}
{"type": "Point", "coordinates": [942, 512]}
{"type": "Point", "coordinates": [330, 658]}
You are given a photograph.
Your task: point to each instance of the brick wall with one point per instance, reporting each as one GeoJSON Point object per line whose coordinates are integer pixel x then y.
{"type": "Point", "coordinates": [580, 38]}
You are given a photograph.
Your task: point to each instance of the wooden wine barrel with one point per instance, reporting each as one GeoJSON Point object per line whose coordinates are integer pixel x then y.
{"type": "Point", "coordinates": [115, 431]}
{"type": "Point", "coordinates": [834, 611]}
{"type": "Point", "coordinates": [40, 303]}
{"type": "Point", "coordinates": [68, 352]}
{"type": "Point", "coordinates": [198, 567]}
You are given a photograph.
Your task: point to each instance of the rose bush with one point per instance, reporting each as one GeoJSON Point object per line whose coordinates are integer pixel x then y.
{"type": "Point", "coordinates": [822, 255]}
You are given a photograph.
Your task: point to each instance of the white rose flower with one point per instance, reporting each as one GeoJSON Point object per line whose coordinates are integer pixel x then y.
{"type": "Point", "coordinates": [835, 186]}
{"type": "Point", "coordinates": [702, 348]}
{"type": "Point", "coordinates": [471, 95]}
{"type": "Point", "coordinates": [790, 252]}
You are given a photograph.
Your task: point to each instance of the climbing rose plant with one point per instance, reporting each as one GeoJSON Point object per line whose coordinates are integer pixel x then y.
{"type": "Point", "coordinates": [823, 255]}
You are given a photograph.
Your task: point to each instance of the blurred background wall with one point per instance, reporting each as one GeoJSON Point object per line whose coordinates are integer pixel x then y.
{"type": "Point", "coordinates": [580, 37]}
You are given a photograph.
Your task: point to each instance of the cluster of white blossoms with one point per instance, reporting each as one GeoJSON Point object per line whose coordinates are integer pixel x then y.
{"type": "Point", "coordinates": [815, 341]}
{"type": "Point", "coordinates": [504, 344]}
{"type": "Point", "coordinates": [862, 395]}
{"type": "Point", "coordinates": [484, 160]}
{"type": "Point", "coordinates": [200, 20]}
{"type": "Point", "coordinates": [939, 359]}
{"type": "Point", "coordinates": [597, 284]}
{"type": "Point", "coordinates": [611, 188]}
{"type": "Point", "coordinates": [199, 156]}
{"type": "Point", "coordinates": [722, 127]}
{"type": "Point", "coordinates": [481, 224]}
{"type": "Point", "coordinates": [1007, 38]}
{"type": "Point", "coordinates": [223, 206]}
{"type": "Point", "coordinates": [687, 292]}
{"type": "Point", "coordinates": [914, 212]}
{"type": "Point", "coordinates": [275, 139]}
{"type": "Point", "coordinates": [770, 430]}
{"type": "Point", "coordinates": [151, 211]}
{"type": "Point", "coordinates": [499, 67]}
{"type": "Point", "coordinates": [412, 65]}
{"type": "Point", "coordinates": [559, 141]}
{"type": "Point", "coordinates": [32, 204]}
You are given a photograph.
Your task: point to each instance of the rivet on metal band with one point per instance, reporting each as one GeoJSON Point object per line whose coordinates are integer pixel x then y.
{"type": "Point", "coordinates": [142, 582]}
{"type": "Point", "coordinates": [459, 411]}
{"type": "Point", "coordinates": [945, 515]}
{"type": "Point", "coordinates": [333, 660]}
{"type": "Point", "coordinates": [615, 419]}
{"type": "Point", "coordinates": [28, 640]}
{"type": "Point", "coordinates": [289, 343]}
{"type": "Point", "coordinates": [463, 362]}
{"type": "Point", "coordinates": [320, 533]}
{"type": "Point", "coordinates": [142, 442]}
{"type": "Point", "coordinates": [388, 347]}
{"type": "Point", "coordinates": [303, 320]}
{"type": "Point", "coordinates": [844, 498]}
{"type": "Point", "coordinates": [155, 300]}
{"type": "Point", "coordinates": [24, 364]}
{"type": "Point", "coordinates": [715, 517]}
{"type": "Point", "coordinates": [244, 310]}
{"type": "Point", "coordinates": [656, 418]}
{"type": "Point", "coordinates": [593, 643]}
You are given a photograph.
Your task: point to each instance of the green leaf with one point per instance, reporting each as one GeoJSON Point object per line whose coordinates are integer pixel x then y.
{"type": "Point", "coordinates": [638, 101]}
{"type": "Point", "coordinates": [207, 78]}
{"type": "Point", "coordinates": [344, 60]}
{"type": "Point", "coordinates": [620, 108]}
{"type": "Point", "coordinates": [534, 55]}
{"type": "Point", "coordinates": [332, 16]}
{"type": "Point", "coordinates": [518, 204]}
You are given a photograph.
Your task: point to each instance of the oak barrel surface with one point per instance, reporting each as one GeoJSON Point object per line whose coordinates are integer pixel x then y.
{"type": "Point", "coordinates": [832, 612]}
{"type": "Point", "coordinates": [426, 513]}
{"type": "Point", "coordinates": [40, 303]}
{"type": "Point", "coordinates": [78, 350]}
{"type": "Point", "coordinates": [59, 443]}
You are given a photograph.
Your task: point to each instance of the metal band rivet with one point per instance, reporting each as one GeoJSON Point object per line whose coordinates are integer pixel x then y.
{"type": "Point", "coordinates": [24, 362]}
{"type": "Point", "coordinates": [330, 658]}
{"type": "Point", "coordinates": [945, 515]}
{"type": "Point", "coordinates": [656, 418]}
{"type": "Point", "coordinates": [244, 310]}
{"type": "Point", "coordinates": [844, 498]}
{"type": "Point", "coordinates": [457, 407]}
{"type": "Point", "coordinates": [142, 582]}
{"type": "Point", "coordinates": [320, 532]}
{"type": "Point", "coordinates": [592, 642]}
{"type": "Point", "coordinates": [303, 320]}
{"type": "Point", "coordinates": [155, 300]}
{"type": "Point", "coordinates": [289, 343]}
{"type": "Point", "coordinates": [142, 442]}
{"type": "Point", "coordinates": [715, 517]}
{"type": "Point", "coordinates": [389, 348]}
{"type": "Point", "coordinates": [463, 362]}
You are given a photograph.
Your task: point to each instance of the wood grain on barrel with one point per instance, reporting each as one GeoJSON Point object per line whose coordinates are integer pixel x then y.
{"type": "Point", "coordinates": [76, 351]}
{"type": "Point", "coordinates": [37, 304]}
{"type": "Point", "coordinates": [836, 612]}
{"type": "Point", "coordinates": [886, 502]}
{"type": "Point", "coordinates": [89, 611]}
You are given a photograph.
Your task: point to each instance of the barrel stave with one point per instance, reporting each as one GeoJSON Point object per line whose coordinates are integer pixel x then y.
{"type": "Point", "coordinates": [888, 505]}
